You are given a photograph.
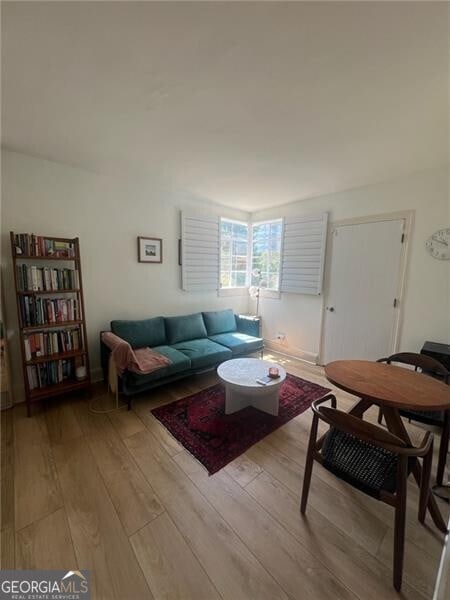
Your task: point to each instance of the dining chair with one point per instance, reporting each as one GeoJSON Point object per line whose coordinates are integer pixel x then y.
{"type": "Point", "coordinates": [372, 460]}
{"type": "Point", "coordinates": [438, 418]}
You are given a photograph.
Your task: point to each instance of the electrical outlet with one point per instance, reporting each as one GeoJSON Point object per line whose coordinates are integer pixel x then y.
{"type": "Point", "coordinates": [281, 336]}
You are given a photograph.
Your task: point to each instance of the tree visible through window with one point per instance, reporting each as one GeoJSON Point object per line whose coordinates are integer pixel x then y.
{"type": "Point", "coordinates": [266, 254]}
{"type": "Point", "coordinates": [233, 254]}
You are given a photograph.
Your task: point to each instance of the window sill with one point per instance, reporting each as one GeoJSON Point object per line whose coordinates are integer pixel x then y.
{"type": "Point", "coordinates": [225, 292]}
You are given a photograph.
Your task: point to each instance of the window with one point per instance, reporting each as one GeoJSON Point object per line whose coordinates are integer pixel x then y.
{"type": "Point", "coordinates": [266, 254]}
{"type": "Point", "coordinates": [233, 254]}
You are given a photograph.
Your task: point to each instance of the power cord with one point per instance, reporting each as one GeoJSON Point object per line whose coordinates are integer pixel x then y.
{"type": "Point", "coordinates": [113, 386]}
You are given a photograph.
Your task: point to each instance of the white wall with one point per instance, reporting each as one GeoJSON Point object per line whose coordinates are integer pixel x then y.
{"type": "Point", "coordinates": [107, 214]}
{"type": "Point", "coordinates": [427, 299]}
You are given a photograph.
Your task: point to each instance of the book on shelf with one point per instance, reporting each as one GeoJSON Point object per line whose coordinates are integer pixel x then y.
{"type": "Point", "coordinates": [52, 342]}
{"type": "Point", "coordinates": [49, 373]}
{"type": "Point", "coordinates": [28, 244]}
{"type": "Point", "coordinates": [37, 279]}
{"type": "Point", "coordinates": [46, 311]}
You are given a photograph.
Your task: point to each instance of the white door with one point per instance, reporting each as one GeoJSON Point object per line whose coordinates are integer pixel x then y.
{"type": "Point", "coordinates": [362, 297]}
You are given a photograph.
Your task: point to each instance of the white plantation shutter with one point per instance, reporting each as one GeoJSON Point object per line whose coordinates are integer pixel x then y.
{"type": "Point", "coordinates": [304, 244]}
{"type": "Point", "coordinates": [200, 252]}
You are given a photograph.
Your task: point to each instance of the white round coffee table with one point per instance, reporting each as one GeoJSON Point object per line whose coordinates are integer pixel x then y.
{"type": "Point", "coordinates": [240, 378]}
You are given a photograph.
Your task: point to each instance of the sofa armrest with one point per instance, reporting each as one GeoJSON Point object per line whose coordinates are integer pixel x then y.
{"type": "Point", "coordinates": [248, 325]}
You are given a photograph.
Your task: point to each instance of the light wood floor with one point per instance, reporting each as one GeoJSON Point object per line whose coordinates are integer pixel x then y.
{"type": "Point", "coordinates": [119, 496]}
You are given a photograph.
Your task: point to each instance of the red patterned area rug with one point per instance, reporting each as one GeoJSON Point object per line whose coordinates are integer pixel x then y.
{"type": "Point", "coordinates": [200, 424]}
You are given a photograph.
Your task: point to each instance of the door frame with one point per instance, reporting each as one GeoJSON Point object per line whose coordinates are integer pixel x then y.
{"type": "Point", "coordinates": [408, 216]}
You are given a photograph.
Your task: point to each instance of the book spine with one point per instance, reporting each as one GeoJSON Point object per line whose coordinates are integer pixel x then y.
{"type": "Point", "coordinates": [34, 279]}
{"type": "Point", "coordinates": [26, 343]}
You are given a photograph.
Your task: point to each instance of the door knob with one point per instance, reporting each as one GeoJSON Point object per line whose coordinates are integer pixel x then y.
{"type": "Point", "coordinates": [330, 308]}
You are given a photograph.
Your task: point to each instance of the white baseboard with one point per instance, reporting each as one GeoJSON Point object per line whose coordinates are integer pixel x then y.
{"type": "Point", "coordinates": [309, 357]}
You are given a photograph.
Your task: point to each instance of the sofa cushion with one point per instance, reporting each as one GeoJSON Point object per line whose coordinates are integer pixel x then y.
{"type": "Point", "coordinates": [180, 362]}
{"type": "Point", "coordinates": [219, 321]}
{"type": "Point", "coordinates": [139, 334]}
{"type": "Point", "coordinates": [238, 343]}
{"type": "Point", "coordinates": [204, 352]}
{"type": "Point", "coordinates": [186, 327]}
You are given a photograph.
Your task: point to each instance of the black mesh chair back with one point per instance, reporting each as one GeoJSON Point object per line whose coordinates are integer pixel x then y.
{"type": "Point", "coordinates": [360, 458]}
{"type": "Point", "coordinates": [371, 459]}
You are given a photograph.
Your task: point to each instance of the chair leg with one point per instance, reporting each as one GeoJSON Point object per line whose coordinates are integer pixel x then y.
{"type": "Point", "coordinates": [399, 527]}
{"type": "Point", "coordinates": [425, 484]}
{"type": "Point", "coordinates": [443, 449]}
{"type": "Point", "coordinates": [309, 464]}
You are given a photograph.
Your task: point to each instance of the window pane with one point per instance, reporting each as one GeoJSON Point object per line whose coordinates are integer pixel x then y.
{"type": "Point", "coordinates": [225, 279]}
{"type": "Point", "coordinates": [275, 229]}
{"type": "Point", "coordinates": [274, 243]}
{"type": "Point", "coordinates": [226, 248]}
{"type": "Point", "coordinates": [227, 227]}
{"type": "Point", "coordinates": [239, 248]}
{"type": "Point", "coordinates": [240, 263]}
{"type": "Point", "coordinates": [273, 281]}
{"type": "Point", "coordinates": [240, 279]}
{"type": "Point", "coordinates": [266, 254]}
{"type": "Point", "coordinates": [240, 231]}
{"type": "Point", "coordinates": [233, 254]}
{"type": "Point", "coordinates": [260, 232]}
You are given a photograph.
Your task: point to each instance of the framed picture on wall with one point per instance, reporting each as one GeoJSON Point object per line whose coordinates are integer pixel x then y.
{"type": "Point", "coordinates": [150, 250]}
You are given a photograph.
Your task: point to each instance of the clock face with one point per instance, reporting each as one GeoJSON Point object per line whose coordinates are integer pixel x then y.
{"type": "Point", "coordinates": [438, 244]}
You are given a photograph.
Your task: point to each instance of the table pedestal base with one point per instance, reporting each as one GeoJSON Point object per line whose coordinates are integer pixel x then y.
{"type": "Point", "coordinates": [263, 399]}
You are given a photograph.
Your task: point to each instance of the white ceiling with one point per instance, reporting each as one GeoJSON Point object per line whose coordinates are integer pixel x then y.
{"type": "Point", "coordinates": [246, 104]}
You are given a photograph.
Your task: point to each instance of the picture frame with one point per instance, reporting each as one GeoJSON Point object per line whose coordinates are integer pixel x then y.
{"type": "Point", "coordinates": [150, 250]}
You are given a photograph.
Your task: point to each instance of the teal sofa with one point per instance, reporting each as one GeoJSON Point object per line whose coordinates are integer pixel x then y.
{"type": "Point", "coordinates": [194, 343]}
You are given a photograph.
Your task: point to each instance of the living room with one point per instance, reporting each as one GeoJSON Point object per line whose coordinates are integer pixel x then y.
{"type": "Point", "coordinates": [249, 202]}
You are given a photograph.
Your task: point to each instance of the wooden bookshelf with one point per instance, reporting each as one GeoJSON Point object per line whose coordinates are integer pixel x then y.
{"type": "Point", "coordinates": [60, 325]}
{"type": "Point", "coordinates": [41, 245]}
{"type": "Point", "coordinates": [41, 292]}
{"type": "Point", "coordinates": [59, 356]}
{"type": "Point", "coordinates": [32, 257]}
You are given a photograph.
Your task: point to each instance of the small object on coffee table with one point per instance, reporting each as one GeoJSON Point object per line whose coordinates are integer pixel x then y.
{"type": "Point", "coordinates": [240, 376]}
{"type": "Point", "coordinates": [274, 372]}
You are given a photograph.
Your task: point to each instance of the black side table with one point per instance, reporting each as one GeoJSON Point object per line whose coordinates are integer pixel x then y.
{"type": "Point", "coordinates": [440, 352]}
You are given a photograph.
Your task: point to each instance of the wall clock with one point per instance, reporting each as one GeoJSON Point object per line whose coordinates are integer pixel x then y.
{"type": "Point", "coordinates": [438, 245]}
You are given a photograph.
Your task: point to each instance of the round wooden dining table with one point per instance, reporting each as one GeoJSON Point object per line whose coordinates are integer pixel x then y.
{"type": "Point", "coordinates": [392, 389]}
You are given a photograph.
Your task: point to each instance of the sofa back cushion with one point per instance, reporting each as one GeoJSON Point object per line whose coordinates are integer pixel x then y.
{"type": "Point", "coordinates": [219, 321]}
{"type": "Point", "coordinates": [186, 327]}
{"type": "Point", "coordinates": [139, 334]}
